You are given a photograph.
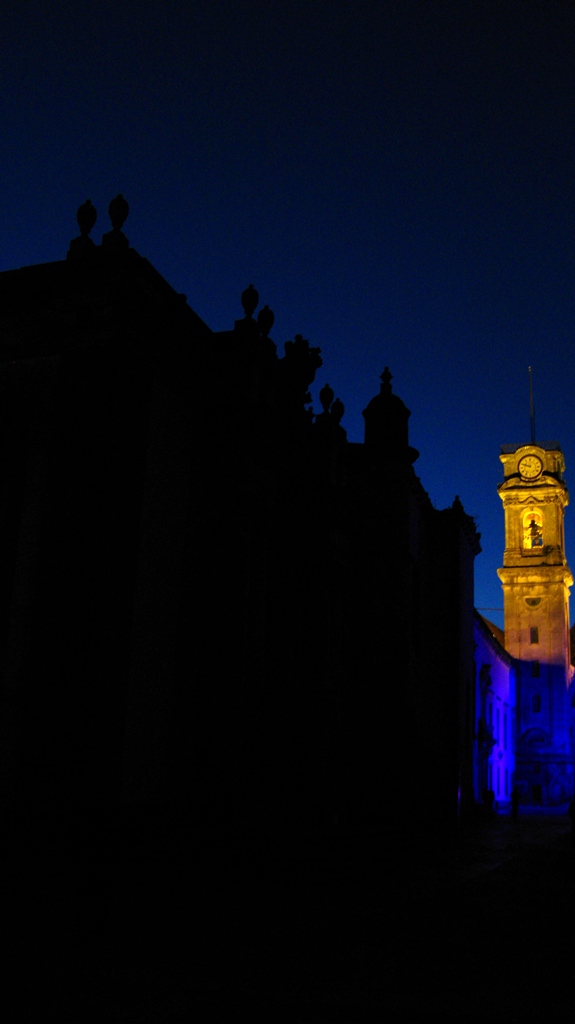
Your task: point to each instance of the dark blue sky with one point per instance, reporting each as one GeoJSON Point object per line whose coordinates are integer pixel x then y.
{"type": "Point", "coordinates": [396, 179]}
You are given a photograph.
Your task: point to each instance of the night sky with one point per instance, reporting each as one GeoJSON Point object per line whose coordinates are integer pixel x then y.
{"type": "Point", "coordinates": [396, 179]}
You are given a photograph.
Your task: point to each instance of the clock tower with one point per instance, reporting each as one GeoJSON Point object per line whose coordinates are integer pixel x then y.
{"type": "Point", "coordinates": [536, 580]}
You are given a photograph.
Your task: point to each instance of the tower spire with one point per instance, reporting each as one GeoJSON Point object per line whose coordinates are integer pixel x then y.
{"type": "Point", "coordinates": [531, 406]}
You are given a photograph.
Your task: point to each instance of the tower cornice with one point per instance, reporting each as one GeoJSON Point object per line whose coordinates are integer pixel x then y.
{"type": "Point", "coordinates": [545, 574]}
{"type": "Point", "coordinates": [512, 493]}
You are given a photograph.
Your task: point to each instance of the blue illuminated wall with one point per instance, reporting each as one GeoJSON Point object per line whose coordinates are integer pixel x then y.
{"type": "Point", "coordinates": [544, 756]}
{"type": "Point", "coordinates": [524, 730]}
{"type": "Point", "coordinates": [496, 677]}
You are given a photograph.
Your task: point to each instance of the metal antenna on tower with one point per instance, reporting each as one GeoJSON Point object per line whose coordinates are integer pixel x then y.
{"type": "Point", "coordinates": [531, 406]}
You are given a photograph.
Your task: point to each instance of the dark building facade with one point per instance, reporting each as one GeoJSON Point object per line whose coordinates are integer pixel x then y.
{"type": "Point", "coordinates": [210, 600]}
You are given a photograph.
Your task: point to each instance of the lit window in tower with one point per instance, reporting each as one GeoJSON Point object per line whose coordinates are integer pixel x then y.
{"type": "Point", "coordinates": [532, 531]}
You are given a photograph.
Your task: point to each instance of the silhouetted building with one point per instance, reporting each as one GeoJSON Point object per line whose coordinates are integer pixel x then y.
{"type": "Point", "coordinates": [210, 600]}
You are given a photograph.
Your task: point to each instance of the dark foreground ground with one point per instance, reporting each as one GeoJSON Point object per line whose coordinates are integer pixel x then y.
{"type": "Point", "coordinates": [388, 931]}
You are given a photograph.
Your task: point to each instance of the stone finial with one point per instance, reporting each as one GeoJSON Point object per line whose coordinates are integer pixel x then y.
{"type": "Point", "coordinates": [386, 378]}
{"type": "Point", "coordinates": [327, 424]}
{"type": "Point", "coordinates": [250, 299]}
{"type": "Point", "coordinates": [326, 397]}
{"type": "Point", "coordinates": [118, 211]}
{"type": "Point", "coordinates": [86, 217]}
{"type": "Point", "coordinates": [265, 320]}
{"type": "Point", "coordinates": [386, 427]}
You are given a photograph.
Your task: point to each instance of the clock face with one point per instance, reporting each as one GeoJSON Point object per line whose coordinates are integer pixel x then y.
{"type": "Point", "coordinates": [530, 466]}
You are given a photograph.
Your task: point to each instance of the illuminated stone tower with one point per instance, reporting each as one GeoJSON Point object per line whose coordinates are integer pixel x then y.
{"type": "Point", "coordinates": [536, 580]}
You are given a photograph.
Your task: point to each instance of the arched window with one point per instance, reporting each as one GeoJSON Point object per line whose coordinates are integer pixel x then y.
{"type": "Point", "coordinates": [533, 736]}
{"type": "Point", "coordinates": [532, 531]}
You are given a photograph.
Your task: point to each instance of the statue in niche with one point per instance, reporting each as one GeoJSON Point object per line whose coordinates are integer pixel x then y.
{"type": "Point", "coordinates": [532, 531]}
{"type": "Point", "coordinates": [535, 534]}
